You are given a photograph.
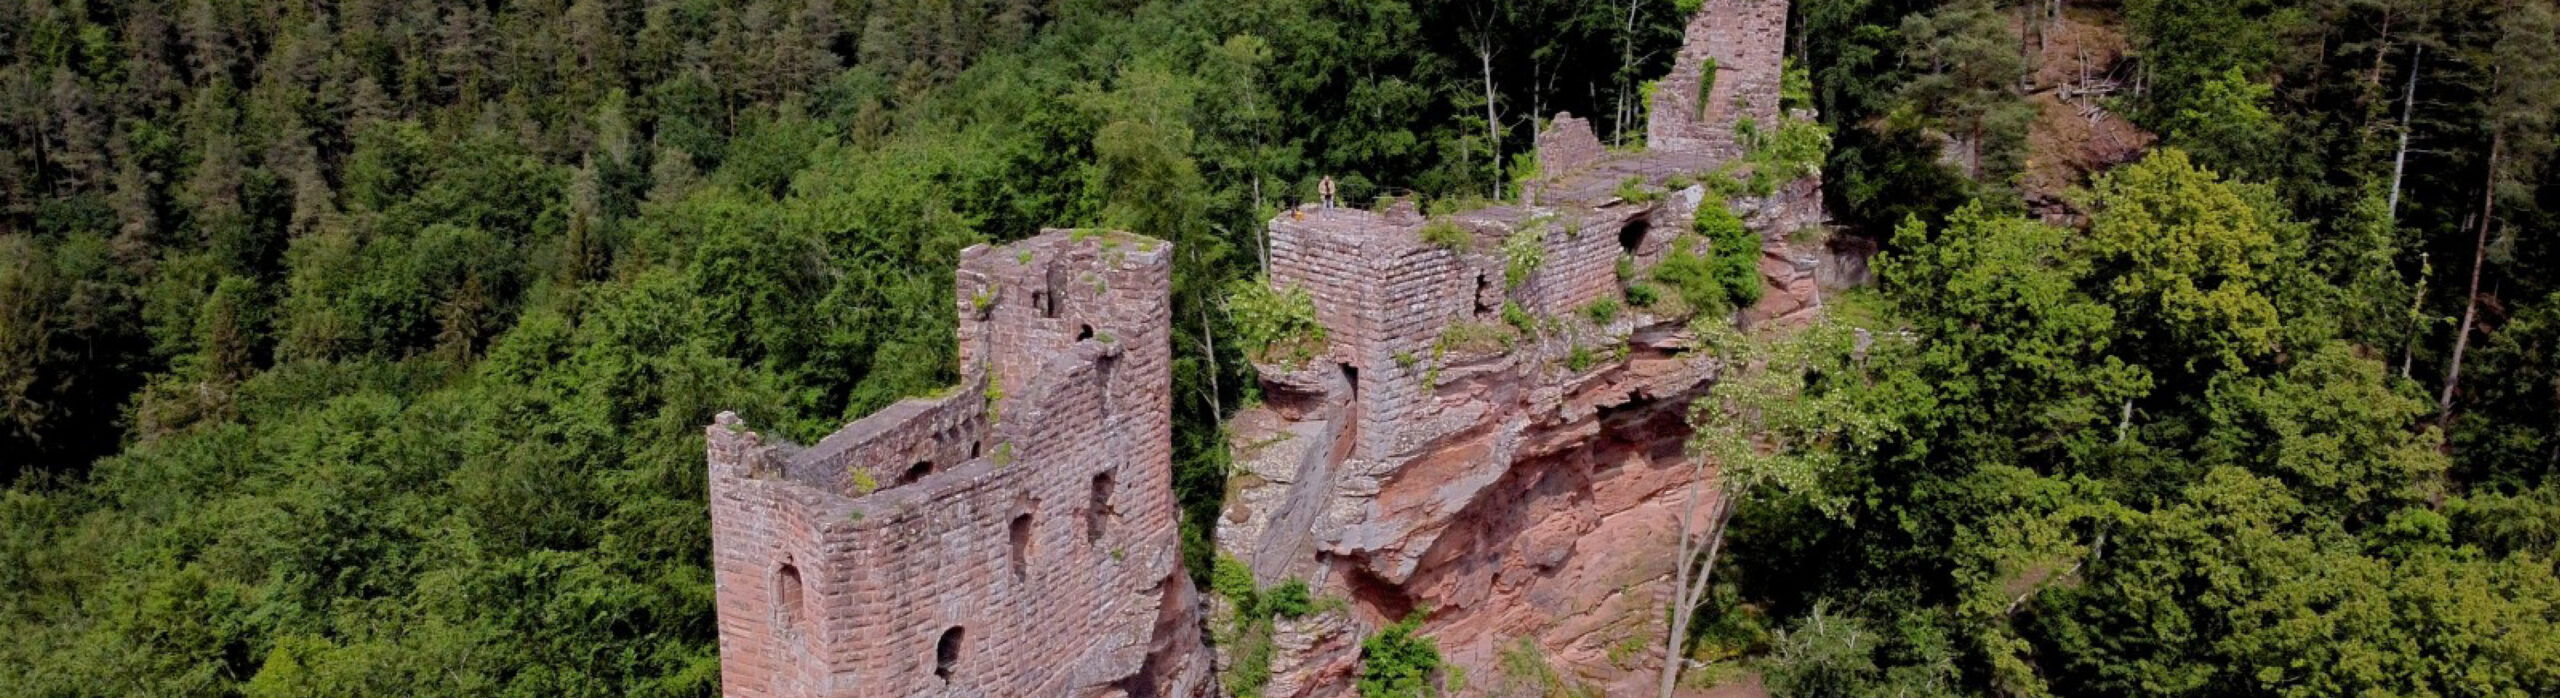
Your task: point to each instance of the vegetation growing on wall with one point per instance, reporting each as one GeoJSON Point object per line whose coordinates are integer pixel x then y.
{"type": "Point", "coordinates": [1275, 325]}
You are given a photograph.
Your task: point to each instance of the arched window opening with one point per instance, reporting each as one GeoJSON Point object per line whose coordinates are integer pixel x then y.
{"type": "Point", "coordinates": [788, 595]}
{"type": "Point", "coordinates": [1097, 511]}
{"type": "Point", "coordinates": [916, 472]}
{"type": "Point", "coordinates": [1085, 333]}
{"type": "Point", "coordinates": [946, 653]}
{"type": "Point", "coordinates": [1021, 535]}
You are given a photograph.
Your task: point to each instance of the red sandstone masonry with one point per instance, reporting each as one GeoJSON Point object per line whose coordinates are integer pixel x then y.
{"type": "Point", "coordinates": [1746, 40]}
{"type": "Point", "coordinates": [1063, 417]}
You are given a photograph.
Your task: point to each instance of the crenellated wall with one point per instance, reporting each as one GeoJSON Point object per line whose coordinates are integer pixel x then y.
{"type": "Point", "coordinates": [1014, 537]}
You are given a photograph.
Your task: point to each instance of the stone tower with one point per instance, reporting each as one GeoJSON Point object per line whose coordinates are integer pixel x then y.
{"type": "Point", "coordinates": [1013, 536]}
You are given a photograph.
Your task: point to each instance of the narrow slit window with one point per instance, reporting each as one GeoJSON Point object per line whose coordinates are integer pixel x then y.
{"type": "Point", "coordinates": [1021, 535]}
{"type": "Point", "coordinates": [1097, 512]}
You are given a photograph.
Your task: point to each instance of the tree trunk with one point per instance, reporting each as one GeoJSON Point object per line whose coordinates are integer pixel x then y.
{"type": "Point", "coordinates": [2417, 315]}
{"type": "Point", "coordinates": [1217, 404]}
{"type": "Point", "coordinates": [2400, 162]}
{"type": "Point", "coordinates": [1492, 131]}
{"type": "Point", "coordinates": [1626, 57]}
{"type": "Point", "coordinates": [2471, 304]}
{"type": "Point", "coordinates": [1688, 588]}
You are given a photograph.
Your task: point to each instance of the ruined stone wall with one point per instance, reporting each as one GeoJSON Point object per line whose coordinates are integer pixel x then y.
{"type": "Point", "coordinates": [1386, 297]}
{"type": "Point", "coordinates": [1567, 145]}
{"type": "Point", "coordinates": [1046, 563]}
{"type": "Point", "coordinates": [908, 439]}
{"type": "Point", "coordinates": [1526, 490]}
{"type": "Point", "coordinates": [1745, 42]}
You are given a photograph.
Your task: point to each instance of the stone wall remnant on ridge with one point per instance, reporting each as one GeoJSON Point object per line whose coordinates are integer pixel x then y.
{"type": "Point", "coordinates": [1015, 536]}
{"type": "Point", "coordinates": [1731, 67]}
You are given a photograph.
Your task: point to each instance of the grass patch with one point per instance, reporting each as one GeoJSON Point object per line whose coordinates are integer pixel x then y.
{"type": "Point", "coordinates": [1633, 190]}
{"type": "Point", "coordinates": [1445, 234]}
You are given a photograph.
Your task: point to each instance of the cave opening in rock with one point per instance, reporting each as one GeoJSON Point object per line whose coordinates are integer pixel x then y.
{"type": "Point", "coordinates": [1632, 236]}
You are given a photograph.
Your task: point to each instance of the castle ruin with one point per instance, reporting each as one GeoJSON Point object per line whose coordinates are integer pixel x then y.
{"type": "Point", "coordinates": [1012, 537]}
{"type": "Point", "coordinates": [1016, 536]}
{"type": "Point", "coordinates": [1501, 446]}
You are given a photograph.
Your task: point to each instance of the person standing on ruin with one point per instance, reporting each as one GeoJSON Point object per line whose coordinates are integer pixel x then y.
{"type": "Point", "coordinates": [1324, 190]}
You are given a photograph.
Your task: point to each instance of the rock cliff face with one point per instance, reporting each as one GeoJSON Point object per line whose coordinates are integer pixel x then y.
{"type": "Point", "coordinates": [1533, 503]}
{"type": "Point", "coordinates": [1500, 448]}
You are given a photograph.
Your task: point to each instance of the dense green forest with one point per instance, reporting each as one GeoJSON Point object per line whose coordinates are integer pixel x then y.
{"type": "Point", "coordinates": [2273, 411]}
{"type": "Point", "coordinates": [364, 348]}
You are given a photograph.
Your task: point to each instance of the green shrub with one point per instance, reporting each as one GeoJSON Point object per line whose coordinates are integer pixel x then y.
{"type": "Point", "coordinates": [1706, 82]}
{"type": "Point", "coordinates": [1230, 578]}
{"type": "Point", "coordinates": [1519, 317]}
{"type": "Point", "coordinates": [1251, 646]}
{"type": "Point", "coordinates": [1524, 172]}
{"type": "Point", "coordinates": [1397, 663]}
{"type": "Point", "coordinates": [1445, 234]}
{"type": "Point", "coordinates": [1274, 325]}
{"type": "Point", "coordinates": [1723, 276]}
{"type": "Point", "coordinates": [1643, 295]}
{"type": "Point", "coordinates": [1795, 85]}
{"type": "Point", "coordinates": [1581, 359]}
{"type": "Point", "coordinates": [1736, 253]}
{"type": "Point", "coordinates": [1794, 151]}
{"type": "Point", "coordinates": [1691, 277]}
{"type": "Point", "coordinates": [1522, 254]}
{"type": "Point", "coordinates": [1289, 600]}
{"type": "Point", "coordinates": [1626, 268]}
{"type": "Point", "coordinates": [1633, 190]}
{"type": "Point", "coordinates": [1602, 311]}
